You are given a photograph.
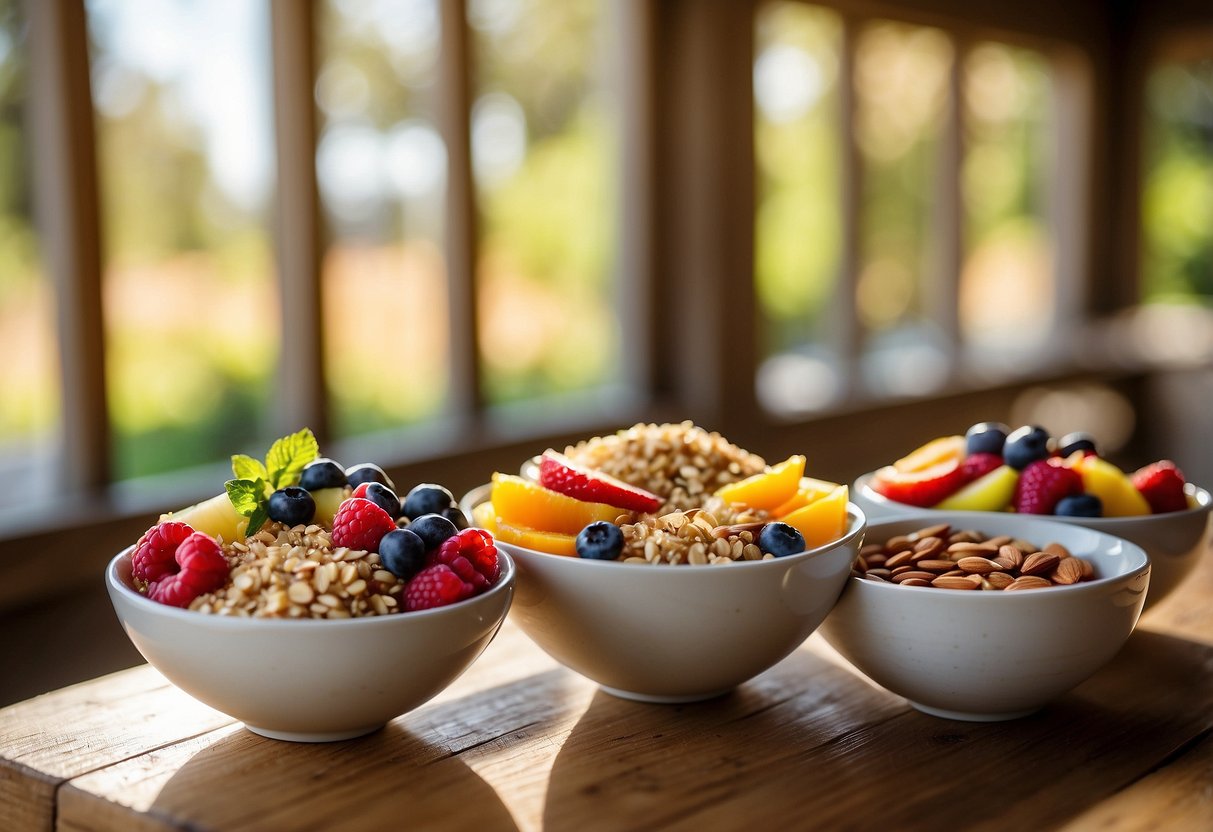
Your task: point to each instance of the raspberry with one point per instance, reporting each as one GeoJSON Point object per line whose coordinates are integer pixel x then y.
{"type": "Point", "coordinates": [1162, 484]}
{"type": "Point", "coordinates": [979, 464]}
{"type": "Point", "coordinates": [1042, 485]}
{"type": "Point", "coordinates": [360, 524]}
{"type": "Point", "coordinates": [471, 555]}
{"type": "Point", "coordinates": [203, 568]}
{"type": "Point", "coordinates": [435, 586]}
{"type": "Point", "coordinates": [153, 555]}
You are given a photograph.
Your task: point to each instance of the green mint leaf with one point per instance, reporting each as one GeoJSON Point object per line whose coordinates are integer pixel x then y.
{"type": "Point", "coordinates": [256, 519]}
{"type": "Point", "coordinates": [289, 455]}
{"type": "Point", "coordinates": [244, 494]}
{"type": "Point", "coordinates": [247, 468]}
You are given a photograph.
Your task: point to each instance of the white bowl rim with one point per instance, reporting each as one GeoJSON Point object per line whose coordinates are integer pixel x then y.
{"type": "Point", "coordinates": [1204, 503]}
{"type": "Point", "coordinates": [858, 527]}
{"type": "Point", "coordinates": [506, 580]}
{"type": "Point", "coordinates": [1139, 555]}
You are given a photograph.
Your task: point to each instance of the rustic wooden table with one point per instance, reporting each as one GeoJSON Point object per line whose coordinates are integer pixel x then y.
{"type": "Point", "coordinates": [521, 743]}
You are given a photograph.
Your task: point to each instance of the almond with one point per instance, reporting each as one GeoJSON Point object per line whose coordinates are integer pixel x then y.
{"type": "Point", "coordinates": [935, 565]}
{"type": "Point", "coordinates": [977, 565]}
{"type": "Point", "coordinates": [1028, 582]}
{"type": "Point", "coordinates": [940, 531]}
{"type": "Point", "coordinates": [915, 582]}
{"type": "Point", "coordinates": [1057, 549]}
{"type": "Point", "coordinates": [911, 575]}
{"type": "Point", "coordinates": [945, 582]}
{"type": "Point", "coordinates": [1039, 563]}
{"type": "Point", "coordinates": [1011, 555]}
{"type": "Point", "coordinates": [899, 559]}
{"type": "Point", "coordinates": [999, 580]}
{"type": "Point", "coordinates": [1068, 571]}
{"type": "Point", "coordinates": [971, 548]}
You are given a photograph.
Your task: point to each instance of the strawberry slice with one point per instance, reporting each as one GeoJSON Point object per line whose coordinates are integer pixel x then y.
{"type": "Point", "coordinates": [561, 474]}
{"type": "Point", "coordinates": [923, 487]}
{"type": "Point", "coordinates": [1162, 484]}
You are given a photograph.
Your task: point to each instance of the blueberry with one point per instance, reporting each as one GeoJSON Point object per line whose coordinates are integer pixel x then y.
{"type": "Point", "coordinates": [986, 438]}
{"type": "Point", "coordinates": [322, 473]}
{"type": "Point", "coordinates": [368, 472]}
{"type": "Point", "coordinates": [780, 540]}
{"type": "Point", "coordinates": [292, 506]}
{"type": "Point", "coordinates": [456, 516]}
{"type": "Point", "coordinates": [1025, 445]}
{"type": "Point", "coordinates": [432, 529]}
{"type": "Point", "coordinates": [402, 552]}
{"type": "Point", "coordinates": [600, 541]}
{"type": "Point", "coordinates": [1079, 505]}
{"type": "Point", "coordinates": [384, 497]}
{"type": "Point", "coordinates": [1077, 441]}
{"type": "Point", "coordinates": [427, 498]}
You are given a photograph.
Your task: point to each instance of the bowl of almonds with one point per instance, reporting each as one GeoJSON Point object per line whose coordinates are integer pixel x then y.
{"type": "Point", "coordinates": [984, 617]}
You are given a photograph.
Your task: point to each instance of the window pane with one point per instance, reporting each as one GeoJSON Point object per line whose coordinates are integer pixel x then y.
{"type": "Point", "coordinates": [1177, 198]}
{"type": "Point", "coordinates": [901, 88]}
{"type": "Point", "coordinates": [381, 164]}
{"type": "Point", "coordinates": [183, 100]}
{"type": "Point", "coordinates": [29, 403]}
{"type": "Point", "coordinates": [1007, 291]}
{"type": "Point", "coordinates": [798, 224]}
{"type": "Point", "coordinates": [545, 170]}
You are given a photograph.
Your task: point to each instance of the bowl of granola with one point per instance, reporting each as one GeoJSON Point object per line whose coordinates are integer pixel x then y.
{"type": "Point", "coordinates": [345, 607]}
{"type": "Point", "coordinates": [978, 616]}
{"type": "Point", "coordinates": [666, 564]}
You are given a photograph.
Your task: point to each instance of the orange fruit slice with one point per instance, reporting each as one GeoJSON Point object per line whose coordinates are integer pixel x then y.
{"type": "Point", "coordinates": [810, 490]}
{"type": "Point", "coordinates": [822, 520]}
{"type": "Point", "coordinates": [553, 543]}
{"type": "Point", "coordinates": [768, 490]}
{"type": "Point", "coordinates": [935, 452]}
{"type": "Point", "coordinates": [527, 504]}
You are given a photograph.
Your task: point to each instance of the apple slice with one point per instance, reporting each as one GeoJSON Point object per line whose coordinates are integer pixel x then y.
{"type": "Point", "coordinates": [990, 492]}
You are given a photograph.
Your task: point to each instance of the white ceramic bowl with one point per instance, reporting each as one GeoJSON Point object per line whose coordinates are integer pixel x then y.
{"type": "Point", "coordinates": [676, 633]}
{"type": "Point", "coordinates": [308, 680]}
{"type": "Point", "coordinates": [985, 656]}
{"type": "Point", "coordinates": [1174, 542]}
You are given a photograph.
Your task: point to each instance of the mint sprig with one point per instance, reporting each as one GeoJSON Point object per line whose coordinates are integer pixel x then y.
{"type": "Point", "coordinates": [255, 481]}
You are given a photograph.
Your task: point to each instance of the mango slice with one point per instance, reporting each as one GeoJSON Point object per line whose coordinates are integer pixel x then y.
{"type": "Point", "coordinates": [822, 520]}
{"type": "Point", "coordinates": [526, 504]}
{"type": "Point", "coordinates": [770, 489]}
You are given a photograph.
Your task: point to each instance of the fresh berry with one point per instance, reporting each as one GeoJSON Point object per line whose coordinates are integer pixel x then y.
{"type": "Point", "coordinates": [1025, 445]}
{"type": "Point", "coordinates": [380, 495]}
{"type": "Point", "coordinates": [455, 515]}
{"type": "Point", "coordinates": [1043, 484]}
{"type": "Point", "coordinates": [924, 487]}
{"type": "Point", "coordinates": [153, 557]}
{"type": "Point", "coordinates": [600, 540]}
{"type": "Point", "coordinates": [559, 473]}
{"type": "Point", "coordinates": [780, 540]}
{"type": "Point", "coordinates": [292, 506]}
{"type": "Point", "coordinates": [368, 472]}
{"type": "Point", "coordinates": [322, 473]}
{"type": "Point", "coordinates": [976, 466]}
{"type": "Point", "coordinates": [472, 556]}
{"type": "Point", "coordinates": [1162, 484]}
{"type": "Point", "coordinates": [360, 524]}
{"type": "Point", "coordinates": [1076, 441]}
{"type": "Point", "coordinates": [986, 438]}
{"type": "Point", "coordinates": [433, 529]}
{"type": "Point", "coordinates": [427, 498]}
{"type": "Point", "coordinates": [402, 553]}
{"type": "Point", "coordinates": [435, 586]}
{"type": "Point", "coordinates": [1079, 505]}
{"type": "Point", "coordinates": [202, 568]}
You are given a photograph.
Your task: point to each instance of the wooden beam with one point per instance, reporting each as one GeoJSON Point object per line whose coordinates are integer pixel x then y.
{"type": "Point", "coordinates": [301, 399]}
{"type": "Point", "coordinates": [65, 194]}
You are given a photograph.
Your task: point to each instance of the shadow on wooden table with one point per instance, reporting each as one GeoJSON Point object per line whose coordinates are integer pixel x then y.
{"type": "Point", "coordinates": [842, 754]}
{"type": "Point", "coordinates": [389, 780]}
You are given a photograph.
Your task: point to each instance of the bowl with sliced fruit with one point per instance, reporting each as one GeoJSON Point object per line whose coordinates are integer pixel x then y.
{"type": "Point", "coordinates": [992, 468]}
{"type": "Point", "coordinates": [309, 601]}
{"type": "Point", "coordinates": [666, 564]}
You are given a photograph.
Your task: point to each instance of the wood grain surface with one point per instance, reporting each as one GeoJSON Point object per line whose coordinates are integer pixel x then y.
{"type": "Point", "coordinates": [521, 743]}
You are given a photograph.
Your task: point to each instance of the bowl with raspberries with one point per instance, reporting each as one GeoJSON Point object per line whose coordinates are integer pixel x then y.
{"type": "Point", "coordinates": [992, 468]}
{"type": "Point", "coordinates": [986, 616]}
{"type": "Point", "coordinates": [665, 563]}
{"type": "Point", "coordinates": [309, 600]}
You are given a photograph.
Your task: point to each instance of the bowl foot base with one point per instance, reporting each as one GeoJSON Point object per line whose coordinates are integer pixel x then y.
{"type": "Point", "coordinates": [964, 716]}
{"type": "Point", "coordinates": [306, 736]}
{"type": "Point", "coordinates": [664, 700]}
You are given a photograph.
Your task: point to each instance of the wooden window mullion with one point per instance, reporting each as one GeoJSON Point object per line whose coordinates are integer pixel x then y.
{"type": "Point", "coordinates": [849, 330]}
{"type": "Point", "coordinates": [66, 195]}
